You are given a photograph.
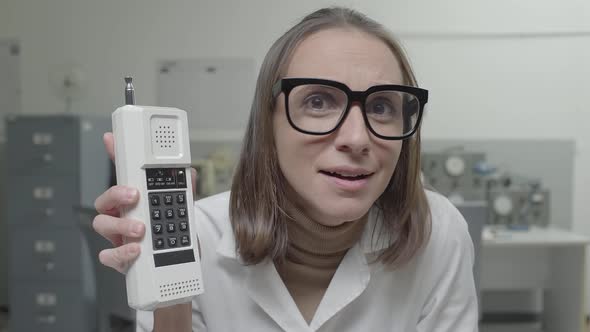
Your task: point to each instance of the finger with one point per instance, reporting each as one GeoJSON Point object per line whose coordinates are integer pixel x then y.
{"type": "Point", "coordinates": [120, 258]}
{"type": "Point", "coordinates": [194, 182]}
{"type": "Point", "coordinates": [112, 228]}
{"type": "Point", "coordinates": [115, 197]}
{"type": "Point", "coordinates": [109, 144]}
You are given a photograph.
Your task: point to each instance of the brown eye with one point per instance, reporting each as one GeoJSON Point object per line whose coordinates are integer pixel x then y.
{"type": "Point", "coordinates": [381, 107]}
{"type": "Point", "coordinates": [317, 102]}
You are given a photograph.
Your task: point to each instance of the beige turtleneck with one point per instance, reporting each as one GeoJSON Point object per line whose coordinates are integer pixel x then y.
{"type": "Point", "coordinates": [313, 255]}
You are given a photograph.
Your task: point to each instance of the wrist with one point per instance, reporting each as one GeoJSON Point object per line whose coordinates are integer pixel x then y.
{"type": "Point", "coordinates": [176, 318]}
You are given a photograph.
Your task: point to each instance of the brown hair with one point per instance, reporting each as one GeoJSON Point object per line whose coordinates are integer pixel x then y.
{"type": "Point", "coordinates": [258, 192]}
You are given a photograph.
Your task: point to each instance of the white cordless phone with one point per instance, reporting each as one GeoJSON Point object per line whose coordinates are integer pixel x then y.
{"type": "Point", "coordinates": [152, 154]}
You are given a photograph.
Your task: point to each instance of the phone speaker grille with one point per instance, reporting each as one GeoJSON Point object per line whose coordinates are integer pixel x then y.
{"type": "Point", "coordinates": [180, 288]}
{"type": "Point", "coordinates": [165, 135]}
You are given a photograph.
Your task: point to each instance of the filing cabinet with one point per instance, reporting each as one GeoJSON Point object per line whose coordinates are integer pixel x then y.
{"type": "Point", "coordinates": [55, 165]}
{"type": "Point", "coordinates": [3, 236]}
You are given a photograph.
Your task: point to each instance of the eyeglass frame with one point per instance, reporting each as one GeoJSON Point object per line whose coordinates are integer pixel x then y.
{"type": "Point", "coordinates": [286, 85]}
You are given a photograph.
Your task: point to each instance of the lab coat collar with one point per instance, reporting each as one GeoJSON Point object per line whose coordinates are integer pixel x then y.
{"type": "Point", "coordinates": [227, 244]}
{"type": "Point", "coordinates": [349, 281]}
{"type": "Point", "coordinates": [266, 288]}
{"type": "Point", "coordinates": [369, 243]}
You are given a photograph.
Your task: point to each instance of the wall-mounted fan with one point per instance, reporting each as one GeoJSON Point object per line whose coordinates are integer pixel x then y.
{"type": "Point", "coordinates": [68, 83]}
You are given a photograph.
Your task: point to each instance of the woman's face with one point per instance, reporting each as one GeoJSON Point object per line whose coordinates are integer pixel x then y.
{"type": "Point", "coordinates": [309, 162]}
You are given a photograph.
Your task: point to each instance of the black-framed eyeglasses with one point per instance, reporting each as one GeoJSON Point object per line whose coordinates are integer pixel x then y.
{"type": "Point", "coordinates": [318, 106]}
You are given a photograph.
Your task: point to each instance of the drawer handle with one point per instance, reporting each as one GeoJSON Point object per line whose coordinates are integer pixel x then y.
{"type": "Point", "coordinates": [46, 319]}
{"type": "Point", "coordinates": [49, 212]}
{"type": "Point", "coordinates": [46, 299]}
{"type": "Point", "coordinates": [48, 157]}
{"type": "Point", "coordinates": [49, 266]}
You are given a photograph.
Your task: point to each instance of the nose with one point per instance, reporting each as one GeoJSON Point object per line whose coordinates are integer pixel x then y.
{"type": "Point", "coordinates": [353, 136]}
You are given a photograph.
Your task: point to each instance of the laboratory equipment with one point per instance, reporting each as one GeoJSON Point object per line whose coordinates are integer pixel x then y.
{"type": "Point", "coordinates": [455, 173]}
{"type": "Point", "coordinates": [518, 202]}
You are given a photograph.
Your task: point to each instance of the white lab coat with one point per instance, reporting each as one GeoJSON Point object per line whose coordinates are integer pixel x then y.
{"type": "Point", "coordinates": [433, 293]}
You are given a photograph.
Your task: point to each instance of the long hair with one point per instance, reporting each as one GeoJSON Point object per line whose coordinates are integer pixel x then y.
{"type": "Point", "coordinates": [259, 189]}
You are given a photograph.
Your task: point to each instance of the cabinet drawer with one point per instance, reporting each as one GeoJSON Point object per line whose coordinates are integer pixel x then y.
{"type": "Point", "coordinates": [50, 307]}
{"type": "Point", "coordinates": [42, 145]}
{"type": "Point", "coordinates": [43, 253]}
{"type": "Point", "coordinates": [41, 200]}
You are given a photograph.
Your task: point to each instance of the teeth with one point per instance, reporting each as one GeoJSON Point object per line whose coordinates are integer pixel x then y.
{"type": "Point", "coordinates": [348, 175]}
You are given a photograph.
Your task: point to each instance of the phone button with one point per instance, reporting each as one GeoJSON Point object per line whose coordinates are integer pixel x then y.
{"type": "Point", "coordinates": [172, 242]}
{"type": "Point", "coordinates": [181, 179]}
{"type": "Point", "coordinates": [185, 241]}
{"type": "Point", "coordinates": [171, 227]}
{"type": "Point", "coordinates": [157, 228]}
{"type": "Point", "coordinates": [180, 198]}
{"type": "Point", "coordinates": [159, 243]}
{"type": "Point", "coordinates": [156, 214]}
{"type": "Point", "coordinates": [169, 213]}
{"type": "Point", "coordinates": [155, 200]}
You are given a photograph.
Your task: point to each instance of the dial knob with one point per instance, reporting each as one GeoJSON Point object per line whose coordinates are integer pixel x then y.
{"type": "Point", "coordinates": [455, 166]}
{"type": "Point", "coordinates": [537, 198]}
{"type": "Point", "coordinates": [503, 205]}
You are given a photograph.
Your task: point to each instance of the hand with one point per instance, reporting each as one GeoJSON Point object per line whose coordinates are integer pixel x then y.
{"type": "Point", "coordinates": [109, 224]}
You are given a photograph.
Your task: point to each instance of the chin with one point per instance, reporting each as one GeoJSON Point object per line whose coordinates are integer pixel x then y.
{"type": "Point", "coordinates": [344, 211]}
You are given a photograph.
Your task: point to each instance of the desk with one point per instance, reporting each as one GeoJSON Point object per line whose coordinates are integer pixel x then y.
{"type": "Point", "coordinates": [550, 260]}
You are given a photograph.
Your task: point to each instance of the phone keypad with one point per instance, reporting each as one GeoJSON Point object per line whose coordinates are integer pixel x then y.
{"type": "Point", "coordinates": [169, 219]}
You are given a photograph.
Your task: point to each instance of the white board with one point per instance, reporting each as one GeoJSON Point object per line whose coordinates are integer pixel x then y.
{"type": "Point", "coordinates": [216, 93]}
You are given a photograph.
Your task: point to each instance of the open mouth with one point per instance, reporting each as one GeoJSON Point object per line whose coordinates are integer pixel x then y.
{"type": "Point", "coordinates": [347, 177]}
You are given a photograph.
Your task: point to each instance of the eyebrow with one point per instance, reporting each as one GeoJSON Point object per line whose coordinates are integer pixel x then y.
{"type": "Point", "coordinates": [373, 83]}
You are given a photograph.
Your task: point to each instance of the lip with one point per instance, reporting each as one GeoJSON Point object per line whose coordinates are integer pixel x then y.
{"type": "Point", "coordinates": [347, 185]}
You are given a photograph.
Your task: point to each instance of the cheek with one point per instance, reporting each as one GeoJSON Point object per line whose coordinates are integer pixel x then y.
{"type": "Point", "coordinates": [289, 144]}
{"type": "Point", "coordinates": [297, 154]}
{"type": "Point", "coordinates": [389, 156]}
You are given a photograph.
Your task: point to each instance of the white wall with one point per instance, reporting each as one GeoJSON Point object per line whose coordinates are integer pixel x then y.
{"type": "Point", "coordinates": [479, 16]}
{"type": "Point", "coordinates": [112, 38]}
{"type": "Point", "coordinates": [485, 84]}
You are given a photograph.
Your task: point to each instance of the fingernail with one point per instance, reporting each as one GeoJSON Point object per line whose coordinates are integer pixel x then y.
{"type": "Point", "coordinates": [137, 229]}
{"type": "Point", "coordinates": [131, 193]}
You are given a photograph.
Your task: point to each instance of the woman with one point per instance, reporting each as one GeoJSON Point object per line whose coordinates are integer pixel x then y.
{"type": "Point", "coordinates": [327, 226]}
